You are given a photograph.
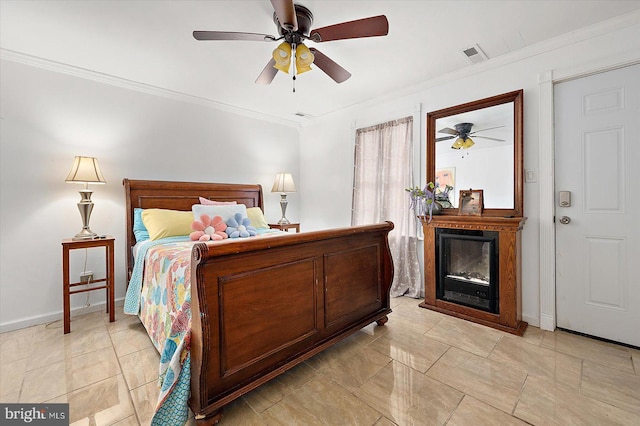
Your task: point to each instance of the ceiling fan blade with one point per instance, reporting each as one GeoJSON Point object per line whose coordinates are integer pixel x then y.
{"type": "Point", "coordinates": [487, 137]}
{"type": "Point", "coordinates": [268, 73]}
{"type": "Point", "coordinates": [449, 131]}
{"type": "Point", "coordinates": [488, 128]}
{"type": "Point", "coordinates": [229, 35]}
{"type": "Point", "coordinates": [286, 13]}
{"type": "Point", "coordinates": [331, 68]}
{"type": "Point", "coordinates": [367, 27]}
{"type": "Point", "coordinates": [445, 138]}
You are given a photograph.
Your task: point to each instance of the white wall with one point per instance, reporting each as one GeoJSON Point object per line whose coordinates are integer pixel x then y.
{"type": "Point", "coordinates": [49, 117]}
{"type": "Point", "coordinates": [327, 174]}
{"type": "Point", "coordinates": [473, 171]}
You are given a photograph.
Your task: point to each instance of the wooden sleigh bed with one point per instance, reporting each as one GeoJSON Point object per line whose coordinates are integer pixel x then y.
{"type": "Point", "coordinates": [262, 306]}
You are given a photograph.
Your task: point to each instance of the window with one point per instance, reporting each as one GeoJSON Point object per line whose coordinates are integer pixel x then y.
{"type": "Point", "coordinates": [383, 168]}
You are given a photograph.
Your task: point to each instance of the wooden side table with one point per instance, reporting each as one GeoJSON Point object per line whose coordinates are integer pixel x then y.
{"type": "Point", "coordinates": [285, 227]}
{"type": "Point", "coordinates": [67, 245]}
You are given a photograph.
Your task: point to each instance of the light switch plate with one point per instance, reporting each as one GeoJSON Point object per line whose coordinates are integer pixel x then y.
{"type": "Point", "coordinates": [530, 176]}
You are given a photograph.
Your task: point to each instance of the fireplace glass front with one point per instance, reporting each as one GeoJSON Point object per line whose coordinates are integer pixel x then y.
{"type": "Point", "coordinates": [467, 268]}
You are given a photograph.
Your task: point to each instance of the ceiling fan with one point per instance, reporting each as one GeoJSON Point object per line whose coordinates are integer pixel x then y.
{"type": "Point", "coordinates": [463, 132]}
{"type": "Point", "coordinates": [294, 27]}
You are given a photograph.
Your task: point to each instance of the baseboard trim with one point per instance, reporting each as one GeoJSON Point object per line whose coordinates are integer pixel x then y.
{"type": "Point", "coordinates": [56, 316]}
{"type": "Point", "coordinates": [547, 322]}
{"type": "Point", "coordinates": [533, 321]}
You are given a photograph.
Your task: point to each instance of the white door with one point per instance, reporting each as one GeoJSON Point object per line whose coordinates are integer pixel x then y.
{"type": "Point", "coordinates": [597, 138]}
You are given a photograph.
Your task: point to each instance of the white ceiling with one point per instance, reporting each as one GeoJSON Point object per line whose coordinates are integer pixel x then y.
{"type": "Point", "coordinates": [150, 42]}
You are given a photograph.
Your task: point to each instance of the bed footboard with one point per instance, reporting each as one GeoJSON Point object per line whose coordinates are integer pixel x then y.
{"type": "Point", "coordinates": [261, 307]}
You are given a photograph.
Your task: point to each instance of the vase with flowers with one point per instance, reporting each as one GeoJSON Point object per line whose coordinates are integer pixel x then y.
{"type": "Point", "coordinates": [442, 196]}
{"type": "Point", "coordinates": [428, 199]}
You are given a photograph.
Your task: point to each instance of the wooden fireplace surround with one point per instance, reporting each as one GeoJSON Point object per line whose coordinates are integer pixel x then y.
{"type": "Point", "coordinates": [509, 318]}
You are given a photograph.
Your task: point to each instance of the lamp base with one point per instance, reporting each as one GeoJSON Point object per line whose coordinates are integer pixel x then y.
{"type": "Point", "coordinates": [85, 234]}
{"type": "Point", "coordinates": [85, 206]}
{"type": "Point", "coordinates": [283, 206]}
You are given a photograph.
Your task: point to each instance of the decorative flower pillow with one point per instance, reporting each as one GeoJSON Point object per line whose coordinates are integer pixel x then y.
{"type": "Point", "coordinates": [208, 229]}
{"type": "Point", "coordinates": [239, 226]}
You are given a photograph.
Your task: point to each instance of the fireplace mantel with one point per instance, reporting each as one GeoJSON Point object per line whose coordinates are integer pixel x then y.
{"type": "Point", "coordinates": [509, 318]}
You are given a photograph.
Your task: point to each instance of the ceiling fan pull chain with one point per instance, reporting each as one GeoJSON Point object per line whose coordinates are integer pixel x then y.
{"type": "Point", "coordinates": [293, 65]}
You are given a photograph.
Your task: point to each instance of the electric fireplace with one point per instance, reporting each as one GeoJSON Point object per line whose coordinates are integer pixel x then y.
{"type": "Point", "coordinates": [472, 269]}
{"type": "Point", "coordinates": [467, 268]}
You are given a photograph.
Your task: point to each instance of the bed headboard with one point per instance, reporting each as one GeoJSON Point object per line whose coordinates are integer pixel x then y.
{"type": "Point", "coordinates": [148, 194]}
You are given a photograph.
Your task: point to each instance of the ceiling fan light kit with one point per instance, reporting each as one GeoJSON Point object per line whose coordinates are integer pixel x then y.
{"type": "Point", "coordinates": [283, 53]}
{"type": "Point", "coordinates": [461, 143]}
{"type": "Point", "coordinates": [294, 27]}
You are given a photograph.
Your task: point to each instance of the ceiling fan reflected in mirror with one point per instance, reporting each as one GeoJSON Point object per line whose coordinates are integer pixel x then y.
{"type": "Point", "coordinates": [294, 28]}
{"type": "Point", "coordinates": [462, 131]}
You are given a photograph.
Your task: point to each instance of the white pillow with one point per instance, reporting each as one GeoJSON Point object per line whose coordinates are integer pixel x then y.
{"type": "Point", "coordinates": [224, 211]}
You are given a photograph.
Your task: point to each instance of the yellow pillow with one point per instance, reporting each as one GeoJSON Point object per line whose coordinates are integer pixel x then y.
{"type": "Point", "coordinates": [256, 217]}
{"type": "Point", "coordinates": [163, 223]}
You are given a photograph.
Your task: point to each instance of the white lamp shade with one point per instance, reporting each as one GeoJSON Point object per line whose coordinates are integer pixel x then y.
{"type": "Point", "coordinates": [85, 170]}
{"type": "Point", "coordinates": [283, 183]}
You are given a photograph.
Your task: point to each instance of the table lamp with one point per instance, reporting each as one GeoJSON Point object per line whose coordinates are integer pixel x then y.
{"type": "Point", "coordinates": [85, 170]}
{"type": "Point", "coordinates": [283, 184]}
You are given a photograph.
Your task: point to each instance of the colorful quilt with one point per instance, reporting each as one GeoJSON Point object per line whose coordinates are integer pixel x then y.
{"type": "Point", "coordinates": [159, 293]}
{"type": "Point", "coordinates": [165, 311]}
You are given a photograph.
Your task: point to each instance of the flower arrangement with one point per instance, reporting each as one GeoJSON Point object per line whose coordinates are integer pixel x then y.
{"type": "Point", "coordinates": [442, 197]}
{"type": "Point", "coordinates": [423, 200]}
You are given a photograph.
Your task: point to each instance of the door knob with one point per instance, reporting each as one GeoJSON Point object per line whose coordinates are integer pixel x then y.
{"type": "Point", "coordinates": [565, 220]}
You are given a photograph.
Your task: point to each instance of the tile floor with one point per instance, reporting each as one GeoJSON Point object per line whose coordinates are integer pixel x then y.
{"type": "Point", "coordinates": [422, 368]}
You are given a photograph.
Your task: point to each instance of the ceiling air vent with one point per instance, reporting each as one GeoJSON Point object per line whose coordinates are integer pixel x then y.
{"type": "Point", "coordinates": [475, 54]}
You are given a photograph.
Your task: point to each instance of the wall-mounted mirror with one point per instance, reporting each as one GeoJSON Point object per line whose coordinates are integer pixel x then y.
{"type": "Point", "coordinates": [478, 145]}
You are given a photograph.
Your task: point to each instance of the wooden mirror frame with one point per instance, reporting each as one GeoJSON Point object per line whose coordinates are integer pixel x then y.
{"type": "Point", "coordinates": [518, 170]}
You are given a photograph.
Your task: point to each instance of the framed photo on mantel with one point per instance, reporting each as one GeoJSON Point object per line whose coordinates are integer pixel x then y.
{"type": "Point", "coordinates": [471, 203]}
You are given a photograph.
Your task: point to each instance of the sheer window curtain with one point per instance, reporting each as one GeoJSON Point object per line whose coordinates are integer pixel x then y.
{"type": "Point", "coordinates": [383, 168]}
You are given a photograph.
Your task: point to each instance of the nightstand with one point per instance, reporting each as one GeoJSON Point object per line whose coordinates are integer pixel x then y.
{"type": "Point", "coordinates": [67, 245]}
{"type": "Point", "coordinates": [285, 227]}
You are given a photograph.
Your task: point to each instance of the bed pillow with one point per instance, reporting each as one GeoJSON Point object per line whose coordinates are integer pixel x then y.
{"type": "Point", "coordinates": [163, 223]}
{"type": "Point", "coordinates": [256, 217]}
{"type": "Point", "coordinates": [139, 230]}
{"type": "Point", "coordinates": [208, 229]}
{"type": "Point", "coordinates": [225, 211]}
{"type": "Point", "coordinates": [239, 226]}
{"type": "Point", "coordinates": [208, 202]}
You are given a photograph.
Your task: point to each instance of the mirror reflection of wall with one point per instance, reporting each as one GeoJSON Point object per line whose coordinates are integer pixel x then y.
{"type": "Point", "coordinates": [487, 162]}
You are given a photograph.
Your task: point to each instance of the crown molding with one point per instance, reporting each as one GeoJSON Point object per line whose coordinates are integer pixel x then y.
{"type": "Point", "coordinates": [34, 61]}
